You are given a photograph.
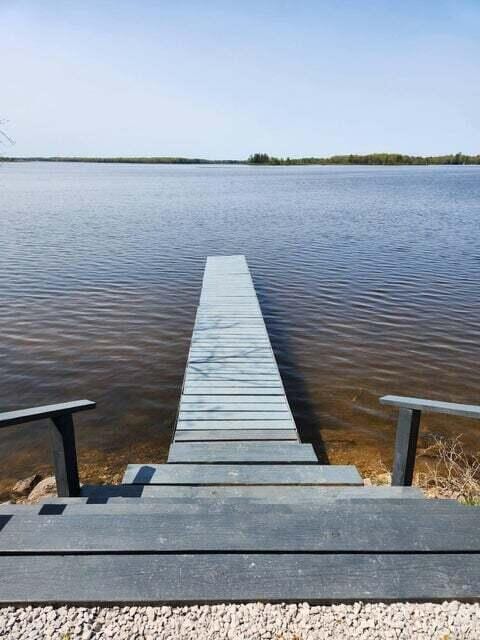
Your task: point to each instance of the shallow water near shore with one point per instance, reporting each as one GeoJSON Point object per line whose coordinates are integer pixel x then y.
{"type": "Point", "coordinates": [368, 277]}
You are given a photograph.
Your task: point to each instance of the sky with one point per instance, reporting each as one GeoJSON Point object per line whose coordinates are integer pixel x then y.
{"type": "Point", "coordinates": [224, 79]}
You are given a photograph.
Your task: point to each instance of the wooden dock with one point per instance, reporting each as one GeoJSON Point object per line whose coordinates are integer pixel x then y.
{"type": "Point", "coordinates": [242, 510]}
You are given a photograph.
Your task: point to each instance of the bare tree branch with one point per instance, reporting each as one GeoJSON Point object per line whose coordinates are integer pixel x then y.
{"type": "Point", "coordinates": [3, 135]}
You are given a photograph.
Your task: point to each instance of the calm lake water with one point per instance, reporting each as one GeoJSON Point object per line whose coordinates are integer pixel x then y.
{"type": "Point", "coordinates": [369, 279]}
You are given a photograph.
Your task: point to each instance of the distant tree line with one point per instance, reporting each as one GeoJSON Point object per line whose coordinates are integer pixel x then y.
{"type": "Point", "coordinates": [265, 159]}
{"type": "Point", "coordinates": [369, 159]}
{"type": "Point", "coordinates": [125, 160]}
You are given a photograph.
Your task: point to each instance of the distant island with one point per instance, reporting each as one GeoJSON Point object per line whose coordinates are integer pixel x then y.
{"type": "Point", "coordinates": [389, 159]}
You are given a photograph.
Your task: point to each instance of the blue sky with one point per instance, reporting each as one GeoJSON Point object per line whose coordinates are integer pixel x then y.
{"type": "Point", "coordinates": [225, 79]}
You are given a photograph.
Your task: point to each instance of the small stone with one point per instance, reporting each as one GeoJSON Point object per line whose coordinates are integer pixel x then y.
{"type": "Point", "coordinates": [25, 486]}
{"type": "Point", "coordinates": [47, 487]}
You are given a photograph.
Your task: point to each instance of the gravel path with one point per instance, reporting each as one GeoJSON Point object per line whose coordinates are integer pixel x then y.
{"type": "Point", "coordinates": [447, 621]}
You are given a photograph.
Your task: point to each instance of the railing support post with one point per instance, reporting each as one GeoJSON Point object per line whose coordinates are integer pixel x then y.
{"type": "Point", "coordinates": [405, 447]}
{"type": "Point", "coordinates": [65, 456]}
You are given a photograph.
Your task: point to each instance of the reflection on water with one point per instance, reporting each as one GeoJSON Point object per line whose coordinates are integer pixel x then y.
{"type": "Point", "coordinates": [368, 278]}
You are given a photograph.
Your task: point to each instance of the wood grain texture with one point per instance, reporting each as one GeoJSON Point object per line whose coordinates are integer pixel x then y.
{"type": "Point", "coordinates": [204, 474]}
{"type": "Point", "coordinates": [223, 400]}
{"type": "Point", "coordinates": [234, 424]}
{"type": "Point", "coordinates": [206, 388]}
{"type": "Point", "coordinates": [268, 414]}
{"type": "Point", "coordinates": [241, 452]}
{"type": "Point", "coordinates": [232, 435]}
{"type": "Point", "coordinates": [357, 527]}
{"type": "Point", "coordinates": [187, 505]}
{"type": "Point", "coordinates": [266, 494]}
{"type": "Point", "coordinates": [205, 578]}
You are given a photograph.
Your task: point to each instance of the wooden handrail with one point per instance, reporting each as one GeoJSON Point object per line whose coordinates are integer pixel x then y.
{"type": "Point", "coordinates": [452, 408]}
{"type": "Point", "coordinates": [22, 416]}
{"type": "Point", "coordinates": [62, 439]}
{"type": "Point", "coordinates": [408, 427]}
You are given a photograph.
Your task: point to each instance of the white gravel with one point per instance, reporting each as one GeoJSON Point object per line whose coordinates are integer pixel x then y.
{"type": "Point", "coordinates": [446, 621]}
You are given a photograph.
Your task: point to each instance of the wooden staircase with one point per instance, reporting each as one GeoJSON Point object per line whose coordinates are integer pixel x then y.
{"type": "Point", "coordinates": [241, 511]}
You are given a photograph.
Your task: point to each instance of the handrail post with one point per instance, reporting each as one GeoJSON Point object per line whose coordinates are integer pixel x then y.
{"type": "Point", "coordinates": [65, 456]}
{"type": "Point", "coordinates": [405, 446]}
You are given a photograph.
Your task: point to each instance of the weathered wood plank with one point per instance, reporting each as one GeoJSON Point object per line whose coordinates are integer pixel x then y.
{"type": "Point", "coordinates": [211, 369]}
{"type": "Point", "coordinates": [227, 314]}
{"type": "Point", "coordinates": [203, 578]}
{"type": "Point", "coordinates": [222, 504]}
{"type": "Point", "coordinates": [223, 577]}
{"type": "Point", "coordinates": [229, 343]}
{"type": "Point", "coordinates": [241, 452]}
{"type": "Point", "coordinates": [235, 341]}
{"type": "Point", "coordinates": [165, 506]}
{"type": "Point", "coordinates": [230, 406]}
{"type": "Point", "coordinates": [235, 424]}
{"type": "Point", "coordinates": [235, 388]}
{"type": "Point", "coordinates": [265, 360]}
{"type": "Point", "coordinates": [358, 527]}
{"type": "Point", "coordinates": [226, 328]}
{"type": "Point", "coordinates": [202, 400]}
{"type": "Point", "coordinates": [245, 353]}
{"type": "Point", "coordinates": [271, 474]}
{"type": "Point", "coordinates": [233, 435]}
{"type": "Point", "coordinates": [232, 380]}
{"type": "Point", "coordinates": [231, 366]}
{"type": "Point", "coordinates": [244, 416]}
{"type": "Point", "coordinates": [268, 494]}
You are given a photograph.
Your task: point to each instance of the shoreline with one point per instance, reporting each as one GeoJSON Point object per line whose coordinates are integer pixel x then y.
{"type": "Point", "coordinates": [257, 160]}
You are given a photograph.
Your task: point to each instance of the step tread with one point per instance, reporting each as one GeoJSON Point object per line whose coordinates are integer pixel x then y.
{"type": "Point", "coordinates": [186, 505]}
{"type": "Point", "coordinates": [370, 526]}
{"type": "Point", "coordinates": [238, 474]}
{"type": "Point", "coordinates": [241, 452]}
{"type": "Point", "coordinates": [265, 494]}
{"type": "Point", "coordinates": [238, 577]}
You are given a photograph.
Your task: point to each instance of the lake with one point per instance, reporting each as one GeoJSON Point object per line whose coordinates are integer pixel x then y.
{"type": "Point", "coordinates": [369, 279]}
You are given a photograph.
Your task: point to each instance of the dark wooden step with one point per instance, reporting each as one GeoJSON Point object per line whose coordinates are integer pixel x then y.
{"type": "Point", "coordinates": [353, 527]}
{"type": "Point", "coordinates": [262, 494]}
{"type": "Point", "coordinates": [209, 578]}
{"type": "Point", "coordinates": [185, 506]}
{"type": "Point", "coordinates": [237, 474]}
{"type": "Point", "coordinates": [242, 453]}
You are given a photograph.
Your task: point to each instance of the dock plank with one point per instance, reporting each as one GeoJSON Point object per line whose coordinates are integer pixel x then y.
{"type": "Point", "coordinates": [241, 453]}
{"type": "Point", "coordinates": [269, 414]}
{"type": "Point", "coordinates": [204, 407]}
{"type": "Point", "coordinates": [201, 400]}
{"type": "Point", "coordinates": [232, 435]}
{"type": "Point", "coordinates": [211, 423]}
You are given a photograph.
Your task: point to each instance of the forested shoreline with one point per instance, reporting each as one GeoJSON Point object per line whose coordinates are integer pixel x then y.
{"type": "Point", "coordinates": [389, 159]}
